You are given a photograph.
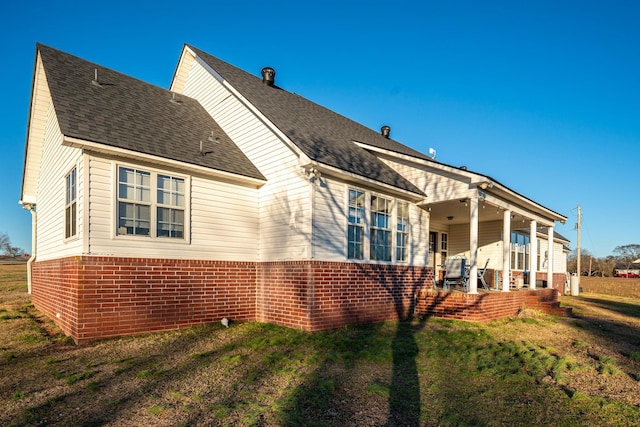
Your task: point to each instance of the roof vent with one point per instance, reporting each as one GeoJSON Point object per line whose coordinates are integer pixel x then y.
{"type": "Point", "coordinates": [95, 80]}
{"type": "Point", "coordinates": [268, 76]}
{"type": "Point", "coordinates": [385, 131]}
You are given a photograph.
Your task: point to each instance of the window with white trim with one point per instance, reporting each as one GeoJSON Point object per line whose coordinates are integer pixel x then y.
{"type": "Point", "coordinates": [70, 205]}
{"type": "Point", "coordinates": [380, 229]}
{"type": "Point", "coordinates": [371, 233]}
{"type": "Point", "coordinates": [170, 210]}
{"type": "Point", "coordinates": [444, 246]}
{"type": "Point", "coordinates": [402, 231]}
{"type": "Point", "coordinates": [150, 204]}
{"type": "Point", "coordinates": [355, 229]}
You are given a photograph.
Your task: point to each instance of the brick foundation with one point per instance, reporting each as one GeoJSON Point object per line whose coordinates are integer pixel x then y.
{"type": "Point", "coordinates": [315, 295]}
{"type": "Point", "coordinates": [97, 297]}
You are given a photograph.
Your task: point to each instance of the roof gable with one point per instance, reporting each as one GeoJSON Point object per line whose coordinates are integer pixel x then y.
{"type": "Point", "coordinates": [97, 104]}
{"type": "Point", "coordinates": [321, 134]}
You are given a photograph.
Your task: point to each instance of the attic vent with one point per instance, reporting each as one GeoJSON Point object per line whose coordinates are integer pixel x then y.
{"type": "Point", "coordinates": [385, 131]}
{"type": "Point", "coordinates": [268, 76]}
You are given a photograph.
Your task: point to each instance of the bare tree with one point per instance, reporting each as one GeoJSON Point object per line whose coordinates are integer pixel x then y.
{"type": "Point", "coordinates": [6, 247]}
{"type": "Point", "coordinates": [627, 254]}
{"type": "Point", "coordinates": [606, 266]}
{"type": "Point", "coordinates": [585, 257]}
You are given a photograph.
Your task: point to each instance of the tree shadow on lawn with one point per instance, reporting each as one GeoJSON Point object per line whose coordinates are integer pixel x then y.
{"type": "Point", "coordinates": [624, 308]}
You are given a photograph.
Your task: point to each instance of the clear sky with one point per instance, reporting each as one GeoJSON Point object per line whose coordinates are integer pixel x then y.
{"type": "Point", "coordinates": [543, 96]}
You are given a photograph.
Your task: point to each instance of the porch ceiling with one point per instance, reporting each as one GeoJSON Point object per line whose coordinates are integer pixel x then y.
{"type": "Point", "coordinates": [459, 212]}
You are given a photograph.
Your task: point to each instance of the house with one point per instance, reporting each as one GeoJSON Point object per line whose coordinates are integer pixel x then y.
{"type": "Point", "coordinates": [228, 196]}
{"type": "Point", "coordinates": [628, 270]}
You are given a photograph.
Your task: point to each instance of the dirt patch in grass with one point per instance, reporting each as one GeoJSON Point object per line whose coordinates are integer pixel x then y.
{"type": "Point", "coordinates": [533, 369]}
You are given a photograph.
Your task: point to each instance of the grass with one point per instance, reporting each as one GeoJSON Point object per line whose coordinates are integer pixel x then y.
{"type": "Point", "coordinates": [545, 371]}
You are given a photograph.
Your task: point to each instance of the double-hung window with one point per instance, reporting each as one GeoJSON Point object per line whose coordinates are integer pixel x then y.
{"type": "Point", "coordinates": [134, 202]}
{"type": "Point", "coordinates": [380, 229]}
{"type": "Point", "coordinates": [402, 231]}
{"type": "Point", "coordinates": [355, 229]}
{"type": "Point", "coordinates": [150, 204]}
{"type": "Point", "coordinates": [170, 206]}
{"type": "Point", "coordinates": [70, 208]}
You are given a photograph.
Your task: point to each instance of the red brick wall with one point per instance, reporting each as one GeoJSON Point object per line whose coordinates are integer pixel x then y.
{"type": "Point", "coordinates": [54, 291]}
{"type": "Point", "coordinates": [315, 295]}
{"type": "Point", "coordinates": [486, 306]}
{"type": "Point", "coordinates": [97, 297]}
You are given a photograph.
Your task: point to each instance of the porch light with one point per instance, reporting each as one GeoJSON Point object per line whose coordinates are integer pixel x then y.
{"type": "Point", "coordinates": [450, 218]}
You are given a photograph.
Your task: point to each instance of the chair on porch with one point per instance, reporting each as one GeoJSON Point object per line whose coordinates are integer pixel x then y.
{"type": "Point", "coordinates": [481, 272]}
{"type": "Point", "coordinates": [456, 273]}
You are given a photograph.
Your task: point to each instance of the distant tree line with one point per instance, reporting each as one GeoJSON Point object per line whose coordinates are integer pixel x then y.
{"type": "Point", "coordinates": [623, 257]}
{"type": "Point", "coordinates": [7, 248]}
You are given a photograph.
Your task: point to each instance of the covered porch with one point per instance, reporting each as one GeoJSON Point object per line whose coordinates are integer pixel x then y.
{"type": "Point", "coordinates": [484, 238]}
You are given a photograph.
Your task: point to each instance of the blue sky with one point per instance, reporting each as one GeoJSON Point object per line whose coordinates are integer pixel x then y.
{"type": "Point", "coordinates": [542, 96]}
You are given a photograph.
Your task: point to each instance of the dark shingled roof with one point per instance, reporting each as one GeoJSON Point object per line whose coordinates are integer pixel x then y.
{"type": "Point", "coordinates": [321, 134]}
{"type": "Point", "coordinates": [128, 113]}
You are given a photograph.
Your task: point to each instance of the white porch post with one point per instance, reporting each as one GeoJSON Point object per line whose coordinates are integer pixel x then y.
{"type": "Point", "coordinates": [473, 245]}
{"type": "Point", "coordinates": [533, 254]}
{"type": "Point", "coordinates": [506, 250]}
{"type": "Point", "coordinates": [550, 258]}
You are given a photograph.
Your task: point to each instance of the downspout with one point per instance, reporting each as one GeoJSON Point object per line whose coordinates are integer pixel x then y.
{"type": "Point", "coordinates": [32, 258]}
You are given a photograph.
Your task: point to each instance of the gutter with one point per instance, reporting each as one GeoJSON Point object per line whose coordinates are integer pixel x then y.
{"type": "Point", "coordinates": [34, 220]}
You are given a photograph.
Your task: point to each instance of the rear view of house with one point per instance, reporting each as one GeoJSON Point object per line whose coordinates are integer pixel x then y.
{"type": "Point", "coordinates": [227, 196]}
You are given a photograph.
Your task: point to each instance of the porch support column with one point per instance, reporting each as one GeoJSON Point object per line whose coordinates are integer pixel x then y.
{"type": "Point", "coordinates": [533, 254]}
{"type": "Point", "coordinates": [550, 258]}
{"type": "Point", "coordinates": [473, 245]}
{"type": "Point", "coordinates": [506, 250]}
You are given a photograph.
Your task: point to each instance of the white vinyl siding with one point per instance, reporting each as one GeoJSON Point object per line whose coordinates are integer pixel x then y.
{"type": "Point", "coordinates": [330, 220]}
{"type": "Point", "coordinates": [285, 200]}
{"type": "Point", "coordinates": [57, 161]}
{"type": "Point", "coordinates": [223, 220]}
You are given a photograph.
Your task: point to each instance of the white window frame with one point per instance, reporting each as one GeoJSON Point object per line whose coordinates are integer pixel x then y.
{"type": "Point", "coordinates": [367, 227]}
{"type": "Point", "coordinates": [444, 246]}
{"type": "Point", "coordinates": [71, 204]}
{"type": "Point", "coordinates": [356, 219]}
{"type": "Point", "coordinates": [381, 219]}
{"type": "Point", "coordinates": [402, 231]}
{"type": "Point", "coordinates": [153, 203]}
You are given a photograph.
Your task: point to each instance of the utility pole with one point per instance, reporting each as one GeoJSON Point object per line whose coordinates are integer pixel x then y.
{"type": "Point", "coordinates": [578, 248]}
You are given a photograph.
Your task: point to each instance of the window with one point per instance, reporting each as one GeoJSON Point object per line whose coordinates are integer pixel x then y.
{"type": "Point", "coordinates": [520, 251]}
{"type": "Point", "coordinates": [70, 221]}
{"type": "Point", "coordinates": [444, 246]}
{"type": "Point", "coordinates": [371, 233]}
{"type": "Point", "coordinates": [139, 210]}
{"type": "Point", "coordinates": [380, 229]}
{"type": "Point", "coordinates": [355, 232]}
{"type": "Point", "coordinates": [170, 206]}
{"type": "Point", "coordinates": [402, 231]}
